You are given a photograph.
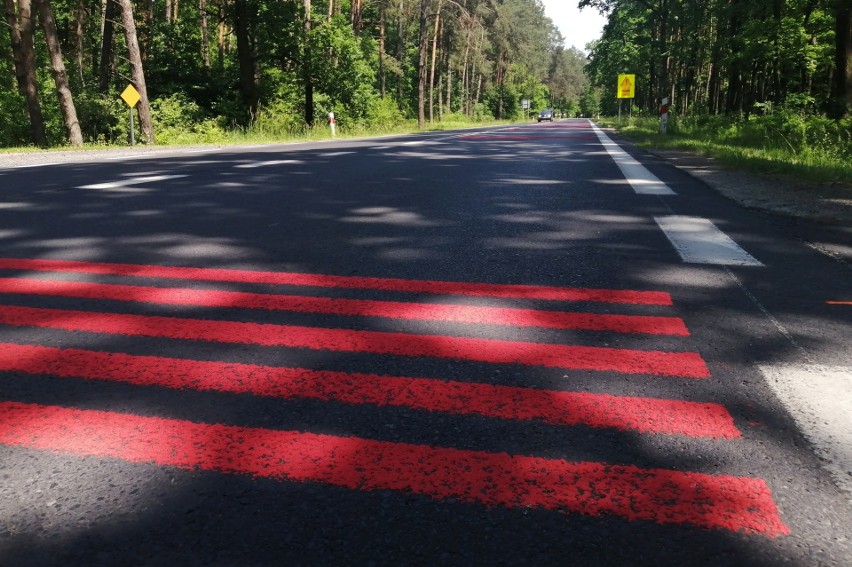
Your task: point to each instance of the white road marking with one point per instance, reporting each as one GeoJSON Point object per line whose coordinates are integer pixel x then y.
{"type": "Point", "coordinates": [33, 165]}
{"type": "Point", "coordinates": [267, 163]}
{"type": "Point", "coordinates": [699, 241]}
{"type": "Point", "coordinates": [128, 183]}
{"type": "Point", "coordinates": [335, 154]}
{"type": "Point", "coordinates": [643, 181]}
{"type": "Point", "coordinates": [130, 156]}
{"type": "Point", "coordinates": [819, 398]}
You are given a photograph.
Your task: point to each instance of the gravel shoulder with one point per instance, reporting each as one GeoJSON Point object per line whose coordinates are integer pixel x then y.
{"type": "Point", "coordinates": [820, 214]}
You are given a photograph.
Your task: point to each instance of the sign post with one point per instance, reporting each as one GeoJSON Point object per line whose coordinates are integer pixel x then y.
{"type": "Point", "coordinates": [626, 89]}
{"type": "Point", "coordinates": [131, 96]}
{"type": "Point", "coordinates": [331, 124]}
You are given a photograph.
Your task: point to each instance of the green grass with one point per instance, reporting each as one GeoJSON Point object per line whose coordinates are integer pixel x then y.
{"type": "Point", "coordinates": [809, 149]}
{"type": "Point", "coordinates": [171, 137]}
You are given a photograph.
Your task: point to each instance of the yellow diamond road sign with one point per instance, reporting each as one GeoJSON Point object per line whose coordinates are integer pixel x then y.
{"type": "Point", "coordinates": [626, 86]}
{"type": "Point", "coordinates": [131, 96]}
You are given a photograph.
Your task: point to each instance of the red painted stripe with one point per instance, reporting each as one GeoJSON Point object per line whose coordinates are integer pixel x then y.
{"type": "Point", "coordinates": [646, 415]}
{"type": "Point", "coordinates": [684, 364]}
{"type": "Point", "coordinates": [352, 282]}
{"type": "Point", "coordinates": [528, 137]}
{"type": "Point", "coordinates": [493, 479]}
{"type": "Point", "coordinates": [352, 307]}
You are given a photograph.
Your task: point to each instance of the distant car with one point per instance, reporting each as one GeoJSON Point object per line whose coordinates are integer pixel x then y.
{"type": "Point", "coordinates": [546, 114]}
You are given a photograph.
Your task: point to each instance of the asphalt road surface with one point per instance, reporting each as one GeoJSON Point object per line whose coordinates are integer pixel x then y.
{"type": "Point", "coordinates": [509, 346]}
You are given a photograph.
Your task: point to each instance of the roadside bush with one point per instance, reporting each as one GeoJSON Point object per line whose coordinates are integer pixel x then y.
{"type": "Point", "coordinates": [14, 122]}
{"type": "Point", "coordinates": [279, 119]}
{"type": "Point", "coordinates": [384, 114]}
{"type": "Point", "coordinates": [103, 119]}
{"type": "Point", "coordinates": [178, 120]}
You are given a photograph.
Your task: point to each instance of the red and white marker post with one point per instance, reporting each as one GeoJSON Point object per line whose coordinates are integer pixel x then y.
{"type": "Point", "coordinates": [331, 124]}
{"type": "Point", "coordinates": [664, 115]}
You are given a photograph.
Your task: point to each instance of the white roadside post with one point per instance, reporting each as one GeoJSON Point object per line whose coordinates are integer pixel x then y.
{"type": "Point", "coordinates": [664, 115]}
{"type": "Point", "coordinates": [331, 124]}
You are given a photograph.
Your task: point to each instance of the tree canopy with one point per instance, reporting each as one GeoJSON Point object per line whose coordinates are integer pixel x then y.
{"type": "Point", "coordinates": [728, 56]}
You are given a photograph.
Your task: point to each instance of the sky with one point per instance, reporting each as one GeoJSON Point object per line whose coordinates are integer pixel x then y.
{"type": "Point", "coordinates": [578, 27]}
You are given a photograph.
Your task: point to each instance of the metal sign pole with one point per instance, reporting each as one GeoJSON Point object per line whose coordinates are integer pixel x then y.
{"type": "Point", "coordinates": [132, 134]}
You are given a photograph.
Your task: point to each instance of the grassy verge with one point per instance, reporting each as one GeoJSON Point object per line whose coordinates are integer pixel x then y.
{"type": "Point", "coordinates": [804, 148]}
{"type": "Point", "coordinates": [253, 136]}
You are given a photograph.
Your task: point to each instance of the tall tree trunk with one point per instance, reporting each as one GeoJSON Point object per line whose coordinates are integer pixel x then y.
{"type": "Point", "coordinates": [357, 15]}
{"type": "Point", "coordinates": [382, 73]}
{"type": "Point", "coordinates": [400, 48]}
{"type": "Point", "coordinates": [244, 15]}
{"type": "Point", "coordinates": [21, 28]}
{"type": "Point", "coordinates": [205, 35]}
{"type": "Point", "coordinates": [464, 76]}
{"type": "Point", "coordinates": [432, 66]}
{"type": "Point", "coordinates": [221, 36]}
{"type": "Point", "coordinates": [105, 67]}
{"type": "Point", "coordinates": [449, 90]}
{"type": "Point", "coordinates": [307, 67]}
{"type": "Point", "coordinates": [137, 71]}
{"type": "Point", "coordinates": [57, 68]}
{"type": "Point", "coordinates": [841, 87]}
{"type": "Point", "coordinates": [79, 34]}
{"type": "Point", "coordinates": [423, 47]}
{"type": "Point", "coordinates": [501, 79]}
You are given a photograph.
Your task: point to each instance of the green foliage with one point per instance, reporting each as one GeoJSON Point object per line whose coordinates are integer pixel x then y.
{"type": "Point", "coordinates": [780, 141]}
{"type": "Point", "coordinates": [281, 118]}
{"type": "Point", "coordinates": [103, 119]}
{"type": "Point", "coordinates": [590, 102]}
{"type": "Point", "coordinates": [384, 114]}
{"type": "Point", "coordinates": [179, 120]}
{"type": "Point", "coordinates": [343, 73]}
{"type": "Point", "coordinates": [718, 57]}
{"type": "Point", "coordinates": [492, 53]}
{"type": "Point", "coordinates": [14, 125]}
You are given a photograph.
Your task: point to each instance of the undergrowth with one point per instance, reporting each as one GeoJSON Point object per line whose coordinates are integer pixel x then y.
{"type": "Point", "coordinates": [779, 142]}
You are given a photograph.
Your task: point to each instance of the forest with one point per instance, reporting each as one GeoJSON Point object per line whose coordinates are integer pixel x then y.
{"type": "Point", "coordinates": [206, 68]}
{"type": "Point", "coordinates": [728, 56]}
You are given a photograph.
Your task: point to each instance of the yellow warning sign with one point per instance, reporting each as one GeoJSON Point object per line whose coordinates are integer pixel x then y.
{"type": "Point", "coordinates": [626, 86]}
{"type": "Point", "coordinates": [131, 96]}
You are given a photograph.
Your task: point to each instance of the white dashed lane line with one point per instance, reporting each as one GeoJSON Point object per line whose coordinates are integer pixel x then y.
{"type": "Point", "coordinates": [819, 399]}
{"type": "Point", "coordinates": [643, 181]}
{"type": "Point", "coordinates": [699, 241]}
{"type": "Point", "coordinates": [130, 182]}
{"type": "Point", "coordinates": [267, 163]}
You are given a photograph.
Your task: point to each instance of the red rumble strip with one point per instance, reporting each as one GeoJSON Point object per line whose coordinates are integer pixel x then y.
{"type": "Point", "coordinates": [352, 282]}
{"type": "Point", "coordinates": [513, 137]}
{"type": "Point", "coordinates": [354, 307]}
{"type": "Point", "coordinates": [683, 364]}
{"type": "Point", "coordinates": [647, 415]}
{"type": "Point", "coordinates": [492, 479]}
